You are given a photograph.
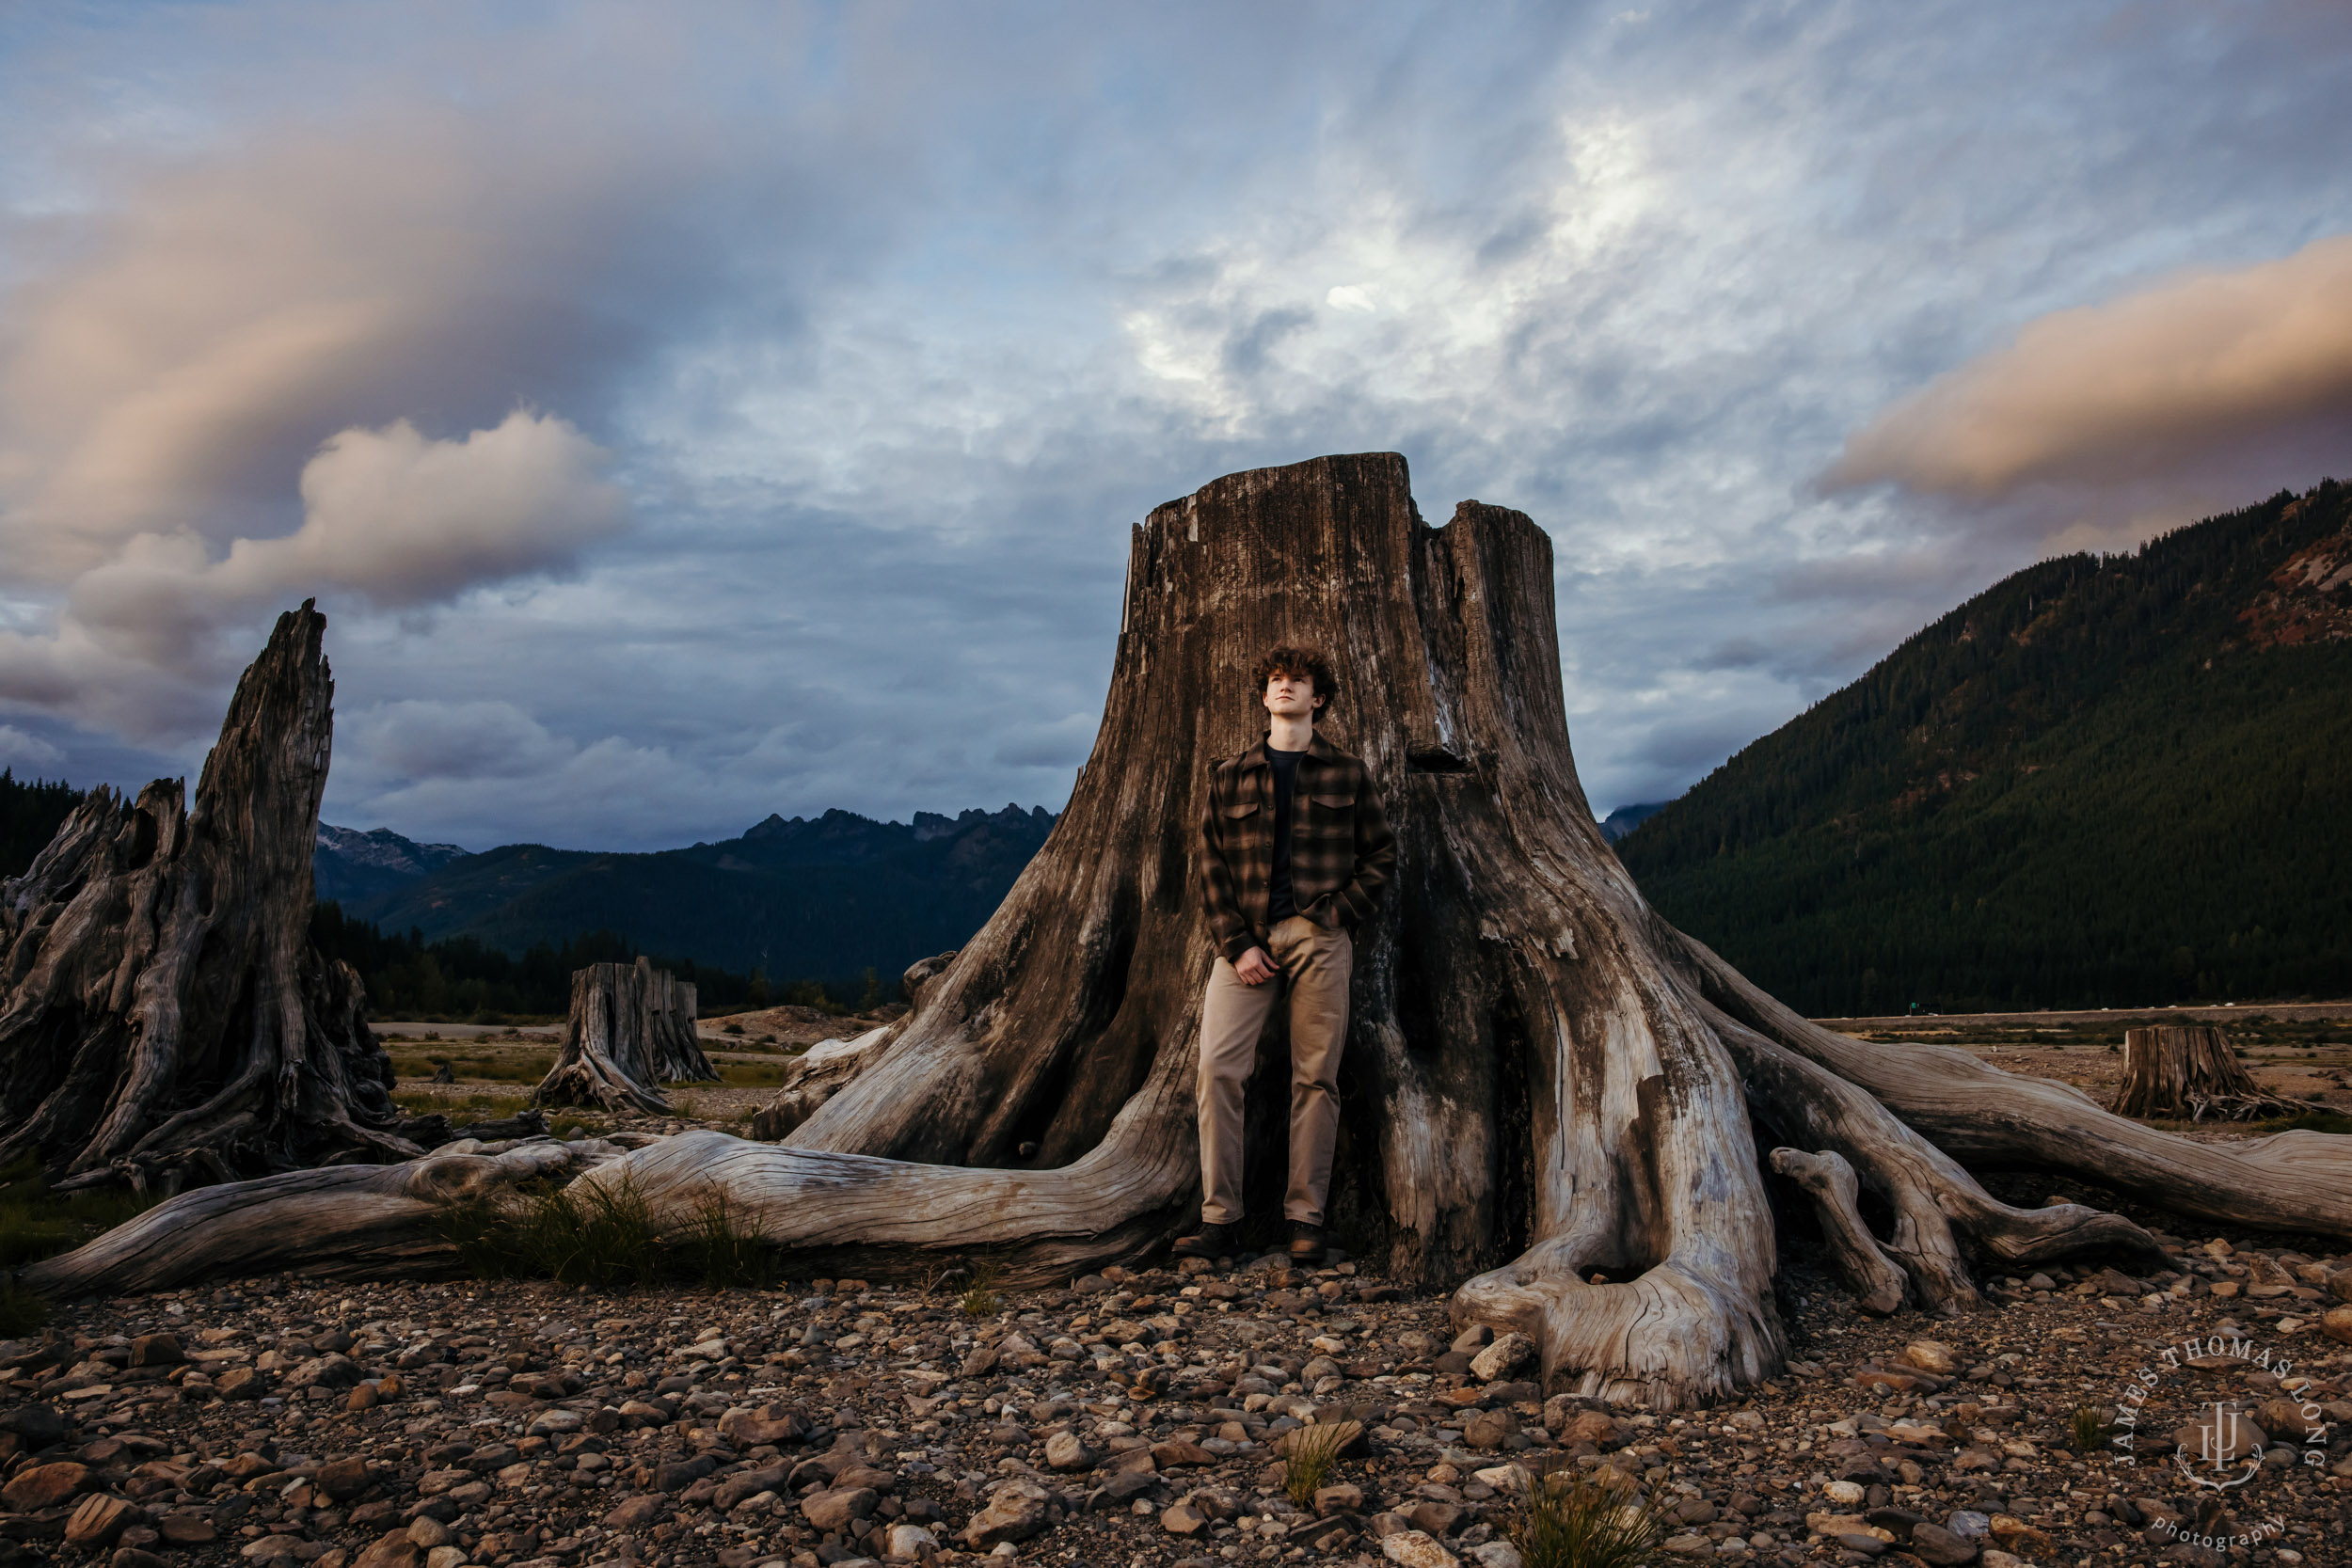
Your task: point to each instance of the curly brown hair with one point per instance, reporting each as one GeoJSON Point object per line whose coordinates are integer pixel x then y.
{"type": "Point", "coordinates": [1299, 663]}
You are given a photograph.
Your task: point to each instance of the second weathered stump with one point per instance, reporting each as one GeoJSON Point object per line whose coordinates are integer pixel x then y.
{"type": "Point", "coordinates": [165, 1020]}
{"type": "Point", "coordinates": [631, 1030]}
{"type": "Point", "coordinates": [2188, 1071]}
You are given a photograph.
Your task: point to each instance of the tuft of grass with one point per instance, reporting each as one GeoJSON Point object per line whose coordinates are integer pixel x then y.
{"type": "Point", "coordinates": [732, 1029]}
{"type": "Point", "coordinates": [980, 1299]}
{"type": "Point", "coordinates": [723, 1249]}
{"type": "Point", "coordinates": [1312, 1455]}
{"type": "Point", "coordinates": [584, 1233]}
{"type": "Point", "coordinates": [603, 1235]}
{"type": "Point", "coordinates": [1568, 1521]}
{"type": "Point", "coordinates": [2087, 1426]}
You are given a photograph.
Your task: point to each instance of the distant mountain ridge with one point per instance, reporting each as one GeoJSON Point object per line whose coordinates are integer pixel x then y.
{"type": "Point", "coordinates": [1626, 818]}
{"type": "Point", "coordinates": [2105, 780]}
{"type": "Point", "coordinates": [349, 865]}
{"type": "Point", "coordinates": [823, 897]}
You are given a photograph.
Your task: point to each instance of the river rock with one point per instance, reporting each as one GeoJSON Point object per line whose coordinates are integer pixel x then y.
{"type": "Point", "coordinates": [1413, 1548]}
{"type": "Point", "coordinates": [1506, 1355]}
{"type": "Point", "coordinates": [1015, 1511]}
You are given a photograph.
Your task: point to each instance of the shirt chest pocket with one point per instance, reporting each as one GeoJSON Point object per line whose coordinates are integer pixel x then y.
{"type": "Point", "coordinates": [1329, 816]}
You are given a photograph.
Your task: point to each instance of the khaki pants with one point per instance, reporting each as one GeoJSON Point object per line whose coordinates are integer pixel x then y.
{"type": "Point", "coordinates": [1314, 965]}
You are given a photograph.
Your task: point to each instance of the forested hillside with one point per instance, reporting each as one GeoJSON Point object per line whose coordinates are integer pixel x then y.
{"type": "Point", "coordinates": [819, 898]}
{"type": "Point", "coordinates": [2105, 781]}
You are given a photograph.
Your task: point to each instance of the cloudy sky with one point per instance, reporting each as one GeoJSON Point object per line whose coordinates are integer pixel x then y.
{"type": "Point", "coordinates": [688, 412]}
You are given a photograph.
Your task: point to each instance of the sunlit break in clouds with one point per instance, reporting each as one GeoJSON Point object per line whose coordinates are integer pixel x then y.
{"type": "Point", "coordinates": [693, 412]}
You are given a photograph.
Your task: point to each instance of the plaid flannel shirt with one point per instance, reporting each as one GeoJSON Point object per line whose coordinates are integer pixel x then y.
{"type": "Point", "coordinates": [1342, 850]}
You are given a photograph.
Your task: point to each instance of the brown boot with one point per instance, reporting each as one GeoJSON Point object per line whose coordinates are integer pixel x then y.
{"type": "Point", "coordinates": [1210, 1240]}
{"type": "Point", "coordinates": [1306, 1242]}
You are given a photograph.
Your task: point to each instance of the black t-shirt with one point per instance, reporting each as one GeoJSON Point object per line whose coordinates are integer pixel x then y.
{"type": "Point", "coordinates": [1279, 906]}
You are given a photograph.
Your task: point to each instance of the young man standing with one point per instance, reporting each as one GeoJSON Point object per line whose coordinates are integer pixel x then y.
{"type": "Point", "coordinates": [1295, 850]}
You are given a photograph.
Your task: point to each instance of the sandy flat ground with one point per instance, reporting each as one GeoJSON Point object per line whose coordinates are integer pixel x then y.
{"type": "Point", "coordinates": [2228, 1013]}
{"type": "Point", "coordinates": [2303, 1052]}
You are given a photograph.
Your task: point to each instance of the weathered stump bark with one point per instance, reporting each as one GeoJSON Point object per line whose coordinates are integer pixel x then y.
{"type": "Point", "coordinates": [1544, 1080]}
{"type": "Point", "coordinates": [810, 1080]}
{"type": "Point", "coordinates": [631, 1030]}
{"type": "Point", "coordinates": [164, 1018]}
{"type": "Point", "coordinates": [2190, 1071]}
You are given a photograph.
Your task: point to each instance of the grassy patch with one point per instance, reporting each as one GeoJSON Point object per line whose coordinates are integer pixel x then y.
{"type": "Point", "coordinates": [603, 1235]}
{"type": "Point", "coordinates": [584, 1233]}
{"type": "Point", "coordinates": [497, 1067]}
{"type": "Point", "coordinates": [721, 1247]}
{"type": "Point", "coordinates": [461, 1109]}
{"type": "Point", "coordinates": [1575, 1521]}
{"type": "Point", "coordinates": [749, 1075]}
{"type": "Point", "coordinates": [2317, 1121]}
{"type": "Point", "coordinates": [36, 1223]}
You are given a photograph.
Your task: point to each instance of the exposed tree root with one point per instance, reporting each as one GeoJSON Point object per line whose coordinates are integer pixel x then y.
{"type": "Point", "coordinates": [1878, 1284]}
{"type": "Point", "coordinates": [1971, 1111]}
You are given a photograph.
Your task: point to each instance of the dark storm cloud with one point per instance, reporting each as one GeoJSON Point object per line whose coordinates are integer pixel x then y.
{"type": "Point", "coordinates": [885, 323]}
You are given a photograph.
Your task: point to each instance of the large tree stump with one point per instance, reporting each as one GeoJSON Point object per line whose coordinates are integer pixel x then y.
{"type": "Point", "coordinates": [1544, 1080]}
{"type": "Point", "coordinates": [165, 1020]}
{"type": "Point", "coordinates": [2187, 1071]}
{"type": "Point", "coordinates": [631, 1030]}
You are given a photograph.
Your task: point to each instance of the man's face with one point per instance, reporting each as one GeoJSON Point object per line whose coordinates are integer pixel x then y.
{"type": "Point", "coordinates": [1291, 696]}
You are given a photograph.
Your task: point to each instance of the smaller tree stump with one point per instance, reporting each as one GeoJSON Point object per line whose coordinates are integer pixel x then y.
{"type": "Point", "coordinates": [2188, 1071]}
{"type": "Point", "coordinates": [631, 1030]}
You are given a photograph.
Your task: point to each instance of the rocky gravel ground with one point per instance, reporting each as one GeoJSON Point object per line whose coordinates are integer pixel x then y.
{"type": "Point", "coordinates": [1140, 1421]}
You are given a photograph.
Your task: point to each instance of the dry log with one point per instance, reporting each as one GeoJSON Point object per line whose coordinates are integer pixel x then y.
{"type": "Point", "coordinates": [2188, 1071]}
{"type": "Point", "coordinates": [1544, 1080]}
{"type": "Point", "coordinates": [353, 1222]}
{"type": "Point", "coordinates": [164, 1017]}
{"type": "Point", "coordinates": [631, 1030]}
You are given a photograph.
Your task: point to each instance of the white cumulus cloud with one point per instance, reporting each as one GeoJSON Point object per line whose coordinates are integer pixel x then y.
{"type": "Point", "coordinates": [390, 517]}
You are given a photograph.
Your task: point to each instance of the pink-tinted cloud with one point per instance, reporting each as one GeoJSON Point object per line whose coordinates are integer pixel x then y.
{"type": "Point", "coordinates": [2241, 377]}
